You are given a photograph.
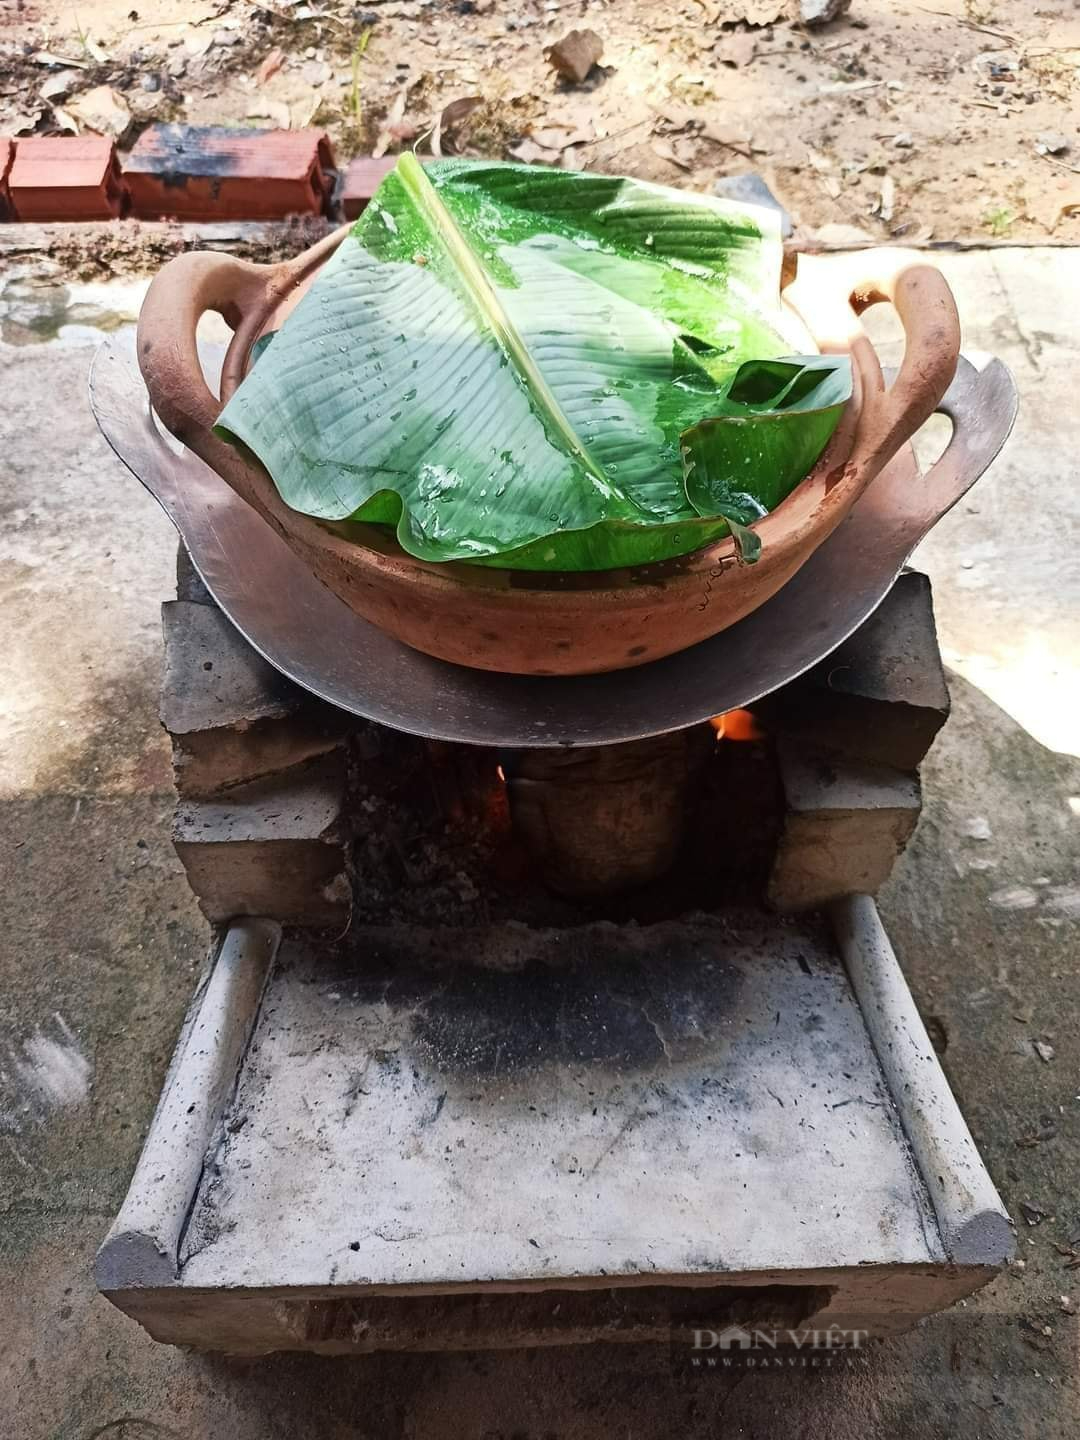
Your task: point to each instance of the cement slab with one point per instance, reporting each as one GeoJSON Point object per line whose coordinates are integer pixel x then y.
{"type": "Point", "coordinates": [666, 1099]}
{"type": "Point", "coordinates": [654, 1113]}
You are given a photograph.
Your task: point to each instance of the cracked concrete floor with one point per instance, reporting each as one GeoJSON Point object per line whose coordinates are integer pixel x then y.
{"type": "Point", "coordinates": [102, 943]}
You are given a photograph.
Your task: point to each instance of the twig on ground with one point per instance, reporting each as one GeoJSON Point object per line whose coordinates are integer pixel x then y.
{"type": "Point", "coordinates": [972, 25]}
{"type": "Point", "coordinates": [1059, 164]}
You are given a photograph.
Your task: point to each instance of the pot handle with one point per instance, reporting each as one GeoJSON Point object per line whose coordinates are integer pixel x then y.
{"type": "Point", "coordinates": [244, 295]}
{"type": "Point", "coordinates": [922, 299]}
{"type": "Point", "coordinates": [180, 294]}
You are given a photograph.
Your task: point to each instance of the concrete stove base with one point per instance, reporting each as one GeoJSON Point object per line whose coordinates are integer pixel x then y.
{"type": "Point", "coordinates": [474, 1139]}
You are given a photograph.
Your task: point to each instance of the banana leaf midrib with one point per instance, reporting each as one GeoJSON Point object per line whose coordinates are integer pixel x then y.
{"type": "Point", "coordinates": [445, 228]}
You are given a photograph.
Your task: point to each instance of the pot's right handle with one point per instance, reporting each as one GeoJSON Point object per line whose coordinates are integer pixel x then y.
{"type": "Point", "coordinates": [831, 293]}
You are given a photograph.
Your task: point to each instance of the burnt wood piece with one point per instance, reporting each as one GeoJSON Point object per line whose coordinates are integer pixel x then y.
{"type": "Point", "coordinates": [211, 172]}
{"type": "Point", "coordinates": [882, 695]}
{"type": "Point", "coordinates": [278, 848]}
{"type": "Point", "coordinates": [232, 717]}
{"type": "Point", "coordinates": [602, 819]}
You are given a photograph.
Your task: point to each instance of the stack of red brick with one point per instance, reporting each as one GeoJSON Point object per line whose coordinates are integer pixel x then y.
{"type": "Point", "coordinates": [182, 172]}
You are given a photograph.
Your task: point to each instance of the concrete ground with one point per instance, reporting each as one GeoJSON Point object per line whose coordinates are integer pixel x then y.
{"type": "Point", "coordinates": [102, 944]}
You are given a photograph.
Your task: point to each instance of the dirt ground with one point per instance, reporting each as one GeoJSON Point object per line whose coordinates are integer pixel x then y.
{"type": "Point", "coordinates": [902, 120]}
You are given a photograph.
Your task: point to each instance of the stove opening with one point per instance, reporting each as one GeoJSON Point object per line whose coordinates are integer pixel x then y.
{"type": "Point", "coordinates": [651, 829]}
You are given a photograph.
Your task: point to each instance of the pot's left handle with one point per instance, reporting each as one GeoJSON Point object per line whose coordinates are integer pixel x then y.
{"type": "Point", "coordinates": [180, 294]}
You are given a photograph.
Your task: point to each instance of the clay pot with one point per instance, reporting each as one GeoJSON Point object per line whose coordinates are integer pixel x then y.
{"type": "Point", "coordinates": [561, 624]}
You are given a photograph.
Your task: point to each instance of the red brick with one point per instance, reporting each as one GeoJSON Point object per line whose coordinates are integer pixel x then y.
{"type": "Point", "coordinates": [65, 178]}
{"type": "Point", "coordinates": [7, 153]}
{"type": "Point", "coordinates": [362, 179]}
{"type": "Point", "coordinates": [194, 172]}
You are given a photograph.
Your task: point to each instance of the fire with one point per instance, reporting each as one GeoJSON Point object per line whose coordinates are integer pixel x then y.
{"type": "Point", "coordinates": [737, 725]}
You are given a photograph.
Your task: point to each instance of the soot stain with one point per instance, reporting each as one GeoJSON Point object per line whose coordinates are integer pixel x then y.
{"type": "Point", "coordinates": [185, 153]}
{"type": "Point", "coordinates": [604, 1006]}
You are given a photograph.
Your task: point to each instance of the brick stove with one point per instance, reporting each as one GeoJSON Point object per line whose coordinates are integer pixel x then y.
{"type": "Point", "coordinates": [614, 1041]}
{"type": "Point", "coordinates": [277, 789]}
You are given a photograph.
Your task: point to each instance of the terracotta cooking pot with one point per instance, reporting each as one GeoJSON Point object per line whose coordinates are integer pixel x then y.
{"type": "Point", "coordinates": [561, 624]}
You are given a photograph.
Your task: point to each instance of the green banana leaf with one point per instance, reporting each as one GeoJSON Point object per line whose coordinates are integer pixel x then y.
{"type": "Point", "coordinates": [541, 369]}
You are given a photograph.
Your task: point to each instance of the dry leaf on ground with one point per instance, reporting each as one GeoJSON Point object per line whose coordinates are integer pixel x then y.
{"type": "Point", "coordinates": [554, 137]}
{"type": "Point", "coordinates": [452, 115]}
{"type": "Point", "coordinates": [886, 205]}
{"type": "Point", "coordinates": [304, 114]}
{"type": "Point", "coordinates": [394, 117]}
{"type": "Point", "coordinates": [57, 86]}
{"type": "Point", "coordinates": [667, 151]}
{"type": "Point", "coordinates": [529, 153]}
{"type": "Point", "coordinates": [270, 66]}
{"type": "Point", "coordinates": [736, 49]}
{"type": "Point", "coordinates": [49, 57]}
{"type": "Point", "coordinates": [101, 110]}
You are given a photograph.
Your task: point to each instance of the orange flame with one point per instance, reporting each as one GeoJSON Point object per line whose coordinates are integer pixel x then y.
{"type": "Point", "coordinates": [737, 725]}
